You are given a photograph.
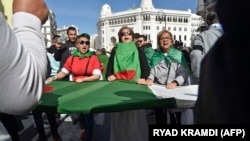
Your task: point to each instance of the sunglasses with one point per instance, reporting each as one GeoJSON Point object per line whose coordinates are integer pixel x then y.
{"type": "Point", "coordinates": [86, 42]}
{"type": "Point", "coordinates": [126, 33]}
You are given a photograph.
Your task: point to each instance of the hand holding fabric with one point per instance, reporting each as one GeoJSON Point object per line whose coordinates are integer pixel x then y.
{"type": "Point", "coordinates": [141, 81]}
{"type": "Point", "coordinates": [149, 82]}
{"type": "Point", "coordinates": [171, 85]}
{"type": "Point", "coordinates": [111, 78]}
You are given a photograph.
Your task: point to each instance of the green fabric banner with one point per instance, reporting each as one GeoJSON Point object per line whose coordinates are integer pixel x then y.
{"type": "Point", "coordinates": [126, 61]}
{"type": "Point", "coordinates": [100, 96]}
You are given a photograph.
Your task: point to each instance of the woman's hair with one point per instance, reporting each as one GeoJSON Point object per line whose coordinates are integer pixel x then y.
{"type": "Point", "coordinates": [159, 37]}
{"type": "Point", "coordinates": [120, 32]}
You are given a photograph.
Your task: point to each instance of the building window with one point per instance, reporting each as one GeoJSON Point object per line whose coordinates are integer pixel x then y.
{"type": "Point", "coordinates": [146, 18]}
{"type": "Point", "coordinates": [148, 37]}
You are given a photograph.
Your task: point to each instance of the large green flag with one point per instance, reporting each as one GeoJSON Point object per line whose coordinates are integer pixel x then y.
{"type": "Point", "coordinates": [126, 61]}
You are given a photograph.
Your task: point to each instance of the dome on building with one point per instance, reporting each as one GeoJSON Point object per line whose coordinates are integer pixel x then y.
{"type": "Point", "coordinates": [106, 10]}
{"type": "Point", "coordinates": [146, 20]}
{"type": "Point", "coordinates": [147, 5]}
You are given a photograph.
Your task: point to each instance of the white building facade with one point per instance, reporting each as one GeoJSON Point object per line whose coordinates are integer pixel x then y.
{"type": "Point", "coordinates": [49, 28]}
{"type": "Point", "coordinates": [146, 20]}
{"type": "Point", "coordinates": [63, 30]}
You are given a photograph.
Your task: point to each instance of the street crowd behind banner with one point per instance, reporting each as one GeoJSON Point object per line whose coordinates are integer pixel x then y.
{"type": "Point", "coordinates": [214, 132]}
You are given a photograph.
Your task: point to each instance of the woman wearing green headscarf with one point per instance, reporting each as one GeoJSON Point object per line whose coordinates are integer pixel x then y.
{"type": "Point", "coordinates": [168, 65]}
{"type": "Point", "coordinates": [168, 68]}
{"type": "Point", "coordinates": [127, 62]}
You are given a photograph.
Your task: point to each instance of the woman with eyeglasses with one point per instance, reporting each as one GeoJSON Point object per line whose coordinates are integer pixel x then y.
{"type": "Point", "coordinates": [84, 66]}
{"type": "Point", "coordinates": [168, 68]}
{"type": "Point", "coordinates": [127, 62]}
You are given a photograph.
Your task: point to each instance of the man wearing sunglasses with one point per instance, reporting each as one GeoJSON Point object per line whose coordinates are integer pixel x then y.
{"type": "Point", "coordinates": [141, 43]}
{"type": "Point", "coordinates": [141, 40]}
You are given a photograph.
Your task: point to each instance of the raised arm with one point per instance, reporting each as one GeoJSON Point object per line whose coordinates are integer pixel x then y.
{"type": "Point", "coordinates": [23, 57]}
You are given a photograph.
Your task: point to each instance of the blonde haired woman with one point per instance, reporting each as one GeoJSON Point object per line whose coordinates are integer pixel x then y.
{"type": "Point", "coordinates": [168, 68]}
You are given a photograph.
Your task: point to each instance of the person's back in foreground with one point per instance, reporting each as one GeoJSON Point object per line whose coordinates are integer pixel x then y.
{"type": "Point", "coordinates": [23, 57]}
{"type": "Point", "coordinates": [224, 82]}
{"type": "Point", "coordinates": [203, 42]}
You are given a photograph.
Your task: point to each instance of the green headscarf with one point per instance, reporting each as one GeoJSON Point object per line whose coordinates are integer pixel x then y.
{"type": "Point", "coordinates": [126, 61]}
{"type": "Point", "coordinates": [173, 54]}
{"type": "Point", "coordinates": [75, 52]}
{"type": "Point", "coordinates": [149, 52]}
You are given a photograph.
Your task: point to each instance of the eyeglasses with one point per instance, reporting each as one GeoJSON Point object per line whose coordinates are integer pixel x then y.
{"type": "Point", "coordinates": [86, 42]}
{"type": "Point", "coordinates": [126, 33]}
{"type": "Point", "coordinates": [139, 41]}
{"type": "Point", "coordinates": [164, 38]}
